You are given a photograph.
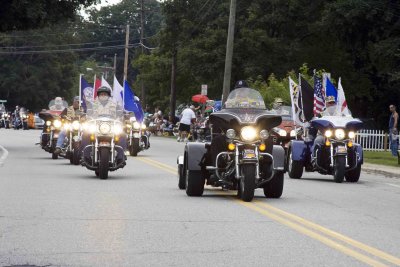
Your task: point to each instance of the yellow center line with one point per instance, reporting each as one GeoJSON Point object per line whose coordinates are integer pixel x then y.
{"type": "Point", "coordinates": [352, 242]}
{"type": "Point", "coordinates": [285, 217]}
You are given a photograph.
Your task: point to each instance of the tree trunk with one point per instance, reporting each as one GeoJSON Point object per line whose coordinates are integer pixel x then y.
{"type": "Point", "coordinates": [173, 85]}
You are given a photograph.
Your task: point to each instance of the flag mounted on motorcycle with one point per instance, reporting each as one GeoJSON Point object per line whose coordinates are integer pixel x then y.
{"type": "Point", "coordinates": [302, 101]}
{"type": "Point", "coordinates": [131, 103]}
{"type": "Point", "coordinates": [86, 92]}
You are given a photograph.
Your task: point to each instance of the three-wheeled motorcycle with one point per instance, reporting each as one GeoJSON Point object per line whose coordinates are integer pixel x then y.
{"type": "Point", "coordinates": [241, 155]}
{"type": "Point", "coordinates": [337, 155]}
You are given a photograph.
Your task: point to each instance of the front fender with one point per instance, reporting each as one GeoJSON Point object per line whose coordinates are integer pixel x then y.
{"type": "Point", "coordinates": [298, 149]}
{"type": "Point", "coordinates": [194, 153]}
{"type": "Point", "coordinates": [279, 157]}
{"type": "Point", "coordinates": [360, 152]}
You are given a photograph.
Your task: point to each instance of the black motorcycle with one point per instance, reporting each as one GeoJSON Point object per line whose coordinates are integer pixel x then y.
{"type": "Point", "coordinates": [139, 139]}
{"type": "Point", "coordinates": [241, 155]}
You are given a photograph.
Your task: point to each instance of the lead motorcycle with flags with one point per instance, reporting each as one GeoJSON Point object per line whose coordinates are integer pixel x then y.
{"type": "Point", "coordinates": [241, 155]}
{"type": "Point", "coordinates": [104, 139]}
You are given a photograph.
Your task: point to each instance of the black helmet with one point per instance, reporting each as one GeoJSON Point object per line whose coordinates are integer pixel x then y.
{"type": "Point", "coordinates": [104, 89]}
{"type": "Point", "coordinates": [240, 84]}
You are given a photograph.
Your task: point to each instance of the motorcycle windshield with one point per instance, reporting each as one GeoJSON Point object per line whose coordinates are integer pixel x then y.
{"type": "Point", "coordinates": [245, 98]}
{"type": "Point", "coordinates": [58, 105]}
{"type": "Point", "coordinates": [107, 110]}
{"type": "Point", "coordinates": [337, 122]}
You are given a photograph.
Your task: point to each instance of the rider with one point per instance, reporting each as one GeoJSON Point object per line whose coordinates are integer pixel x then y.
{"type": "Point", "coordinates": [330, 110]}
{"type": "Point", "coordinates": [277, 107]}
{"type": "Point", "coordinates": [58, 104]}
{"type": "Point", "coordinates": [72, 112]}
{"type": "Point", "coordinates": [103, 105]}
{"type": "Point", "coordinates": [16, 115]}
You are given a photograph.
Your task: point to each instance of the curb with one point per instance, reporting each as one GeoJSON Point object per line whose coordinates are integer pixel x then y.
{"type": "Point", "coordinates": [3, 156]}
{"type": "Point", "coordinates": [381, 169]}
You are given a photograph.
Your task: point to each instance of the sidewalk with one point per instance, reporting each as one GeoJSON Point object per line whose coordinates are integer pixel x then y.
{"type": "Point", "coordinates": [382, 169]}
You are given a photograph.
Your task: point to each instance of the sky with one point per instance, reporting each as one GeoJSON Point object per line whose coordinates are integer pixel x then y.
{"type": "Point", "coordinates": [98, 6]}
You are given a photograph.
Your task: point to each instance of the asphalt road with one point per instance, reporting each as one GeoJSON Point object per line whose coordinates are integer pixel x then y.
{"type": "Point", "coordinates": [55, 214]}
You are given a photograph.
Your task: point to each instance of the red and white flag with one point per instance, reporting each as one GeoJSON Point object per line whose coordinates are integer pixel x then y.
{"type": "Point", "coordinates": [342, 104]}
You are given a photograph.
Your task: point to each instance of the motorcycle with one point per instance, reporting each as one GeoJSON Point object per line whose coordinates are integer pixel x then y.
{"type": "Point", "coordinates": [24, 119]}
{"type": "Point", "coordinates": [71, 146]}
{"type": "Point", "coordinates": [241, 155]}
{"type": "Point", "coordinates": [339, 155]}
{"type": "Point", "coordinates": [5, 120]}
{"type": "Point", "coordinates": [104, 132]}
{"type": "Point", "coordinates": [17, 121]}
{"type": "Point", "coordinates": [139, 139]}
{"type": "Point", "coordinates": [52, 127]}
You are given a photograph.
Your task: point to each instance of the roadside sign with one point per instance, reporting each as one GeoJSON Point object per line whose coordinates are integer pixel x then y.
{"type": "Point", "coordinates": [204, 89]}
{"type": "Point", "coordinates": [3, 101]}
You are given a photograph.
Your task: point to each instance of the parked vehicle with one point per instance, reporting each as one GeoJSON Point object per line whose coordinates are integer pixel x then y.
{"type": "Point", "coordinates": [339, 155]}
{"type": "Point", "coordinates": [241, 155]}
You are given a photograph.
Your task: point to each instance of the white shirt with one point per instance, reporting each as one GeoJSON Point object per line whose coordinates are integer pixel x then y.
{"type": "Point", "coordinates": [187, 116]}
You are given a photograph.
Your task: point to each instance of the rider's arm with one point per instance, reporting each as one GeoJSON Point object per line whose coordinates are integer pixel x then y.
{"type": "Point", "coordinates": [396, 120]}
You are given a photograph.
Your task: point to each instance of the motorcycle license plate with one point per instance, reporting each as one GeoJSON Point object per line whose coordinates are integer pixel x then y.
{"type": "Point", "coordinates": [341, 149]}
{"type": "Point", "coordinates": [249, 154]}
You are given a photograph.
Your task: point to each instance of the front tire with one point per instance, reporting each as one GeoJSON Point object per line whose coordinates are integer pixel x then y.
{"type": "Point", "coordinates": [354, 175]}
{"type": "Point", "coordinates": [294, 167]}
{"type": "Point", "coordinates": [104, 162]}
{"type": "Point", "coordinates": [247, 183]}
{"type": "Point", "coordinates": [339, 169]}
{"type": "Point", "coordinates": [134, 149]}
{"type": "Point", "coordinates": [194, 183]}
{"type": "Point", "coordinates": [181, 177]}
{"type": "Point", "coordinates": [76, 155]}
{"type": "Point", "coordinates": [274, 188]}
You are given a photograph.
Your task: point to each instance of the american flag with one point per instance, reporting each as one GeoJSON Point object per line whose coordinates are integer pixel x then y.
{"type": "Point", "coordinates": [319, 103]}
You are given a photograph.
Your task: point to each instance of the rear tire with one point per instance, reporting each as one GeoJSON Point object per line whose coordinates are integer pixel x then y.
{"type": "Point", "coordinates": [339, 169]}
{"type": "Point", "coordinates": [354, 175]}
{"type": "Point", "coordinates": [274, 188]}
{"type": "Point", "coordinates": [104, 158]}
{"type": "Point", "coordinates": [247, 183]}
{"type": "Point", "coordinates": [194, 183]}
{"type": "Point", "coordinates": [294, 167]}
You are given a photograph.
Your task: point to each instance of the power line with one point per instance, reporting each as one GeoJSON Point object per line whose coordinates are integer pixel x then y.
{"type": "Point", "coordinates": [75, 44]}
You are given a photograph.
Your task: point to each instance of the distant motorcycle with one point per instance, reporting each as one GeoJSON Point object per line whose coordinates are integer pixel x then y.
{"type": "Point", "coordinates": [24, 119]}
{"type": "Point", "coordinates": [72, 143]}
{"type": "Point", "coordinates": [339, 155]}
{"type": "Point", "coordinates": [139, 139]}
{"type": "Point", "coordinates": [5, 120]}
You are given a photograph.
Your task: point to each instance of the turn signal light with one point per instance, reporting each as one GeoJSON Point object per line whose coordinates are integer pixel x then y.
{"type": "Point", "coordinates": [262, 147]}
{"type": "Point", "coordinates": [117, 139]}
{"type": "Point", "coordinates": [231, 146]}
{"type": "Point", "coordinates": [328, 143]}
{"type": "Point", "coordinates": [350, 144]}
{"type": "Point", "coordinates": [92, 137]}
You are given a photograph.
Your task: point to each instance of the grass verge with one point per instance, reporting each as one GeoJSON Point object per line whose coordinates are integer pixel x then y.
{"type": "Point", "coordinates": [382, 158]}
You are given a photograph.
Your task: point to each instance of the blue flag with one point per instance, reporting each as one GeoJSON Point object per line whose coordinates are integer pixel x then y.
{"type": "Point", "coordinates": [86, 92]}
{"type": "Point", "coordinates": [131, 104]}
{"type": "Point", "coordinates": [330, 89]}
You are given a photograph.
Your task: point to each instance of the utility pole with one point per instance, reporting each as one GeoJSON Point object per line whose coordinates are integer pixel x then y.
{"type": "Point", "coordinates": [229, 52]}
{"type": "Point", "coordinates": [172, 101]}
{"type": "Point", "coordinates": [126, 52]}
{"type": "Point", "coordinates": [143, 89]}
{"type": "Point", "coordinates": [115, 64]}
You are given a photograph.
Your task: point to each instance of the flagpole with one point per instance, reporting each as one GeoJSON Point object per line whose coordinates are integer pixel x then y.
{"type": "Point", "coordinates": [80, 89]}
{"type": "Point", "coordinates": [94, 86]}
{"type": "Point", "coordinates": [302, 106]}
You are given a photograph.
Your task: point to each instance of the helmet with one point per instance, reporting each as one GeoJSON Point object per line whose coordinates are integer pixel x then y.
{"type": "Point", "coordinates": [104, 89]}
{"type": "Point", "coordinates": [58, 101]}
{"type": "Point", "coordinates": [240, 84]}
{"type": "Point", "coordinates": [77, 98]}
{"type": "Point", "coordinates": [330, 99]}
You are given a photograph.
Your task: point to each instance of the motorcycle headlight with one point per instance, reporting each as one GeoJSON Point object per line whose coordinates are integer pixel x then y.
{"type": "Point", "coordinates": [230, 133]}
{"type": "Point", "coordinates": [136, 125]}
{"type": "Point", "coordinates": [248, 133]}
{"type": "Point", "coordinates": [264, 134]}
{"type": "Point", "coordinates": [293, 133]}
{"type": "Point", "coordinates": [48, 123]}
{"type": "Point", "coordinates": [340, 134]}
{"type": "Point", "coordinates": [75, 125]}
{"type": "Point", "coordinates": [91, 127]}
{"type": "Point", "coordinates": [118, 129]}
{"type": "Point", "coordinates": [328, 133]}
{"type": "Point", "coordinates": [282, 132]}
{"type": "Point", "coordinates": [104, 128]}
{"type": "Point", "coordinates": [143, 126]}
{"type": "Point", "coordinates": [57, 123]}
{"type": "Point", "coordinates": [67, 126]}
{"type": "Point", "coordinates": [128, 126]}
{"type": "Point", "coordinates": [352, 135]}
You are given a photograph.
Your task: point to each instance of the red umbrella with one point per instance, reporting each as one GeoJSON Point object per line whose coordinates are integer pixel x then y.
{"type": "Point", "coordinates": [199, 98]}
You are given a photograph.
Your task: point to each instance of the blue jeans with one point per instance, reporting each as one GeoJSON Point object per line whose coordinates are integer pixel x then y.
{"type": "Point", "coordinates": [61, 138]}
{"type": "Point", "coordinates": [393, 142]}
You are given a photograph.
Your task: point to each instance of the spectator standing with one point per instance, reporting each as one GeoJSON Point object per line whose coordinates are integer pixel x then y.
{"type": "Point", "coordinates": [188, 117]}
{"type": "Point", "coordinates": [393, 130]}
